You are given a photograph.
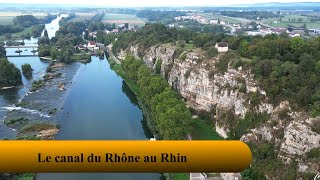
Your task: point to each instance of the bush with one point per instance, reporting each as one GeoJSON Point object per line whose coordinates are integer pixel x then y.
{"type": "Point", "coordinates": [243, 88]}
{"type": "Point", "coordinates": [36, 85]}
{"type": "Point", "coordinates": [212, 52]}
{"type": "Point", "coordinates": [26, 69]}
{"type": "Point", "coordinates": [314, 153]}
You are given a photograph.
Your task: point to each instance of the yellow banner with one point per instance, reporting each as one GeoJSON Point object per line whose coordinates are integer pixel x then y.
{"type": "Point", "coordinates": [124, 156]}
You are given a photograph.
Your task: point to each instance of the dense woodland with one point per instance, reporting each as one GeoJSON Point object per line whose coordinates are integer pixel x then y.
{"type": "Point", "coordinates": [170, 117]}
{"type": "Point", "coordinates": [164, 17]}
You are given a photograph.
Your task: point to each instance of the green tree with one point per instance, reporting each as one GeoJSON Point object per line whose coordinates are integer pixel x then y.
{"type": "Point", "coordinates": [46, 33]}
{"type": "Point", "coordinates": [26, 69]}
{"type": "Point", "coordinates": [9, 74]}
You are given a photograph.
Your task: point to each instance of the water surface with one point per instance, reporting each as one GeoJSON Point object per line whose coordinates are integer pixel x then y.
{"type": "Point", "coordinates": [100, 106]}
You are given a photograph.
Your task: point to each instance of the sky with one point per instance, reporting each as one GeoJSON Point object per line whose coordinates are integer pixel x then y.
{"type": "Point", "coordinates": [144, 3]}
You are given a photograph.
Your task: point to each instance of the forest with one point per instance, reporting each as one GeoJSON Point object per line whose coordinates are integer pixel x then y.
{"type": "Point", "coordinates": [164, 17]}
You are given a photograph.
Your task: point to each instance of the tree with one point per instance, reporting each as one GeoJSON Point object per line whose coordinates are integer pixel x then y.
{"type": "Point", "coordinates": [8, 36]}
{"type": "Point", "coordinates": [86, 35]}
{"type": "Point", "coordinates": [9, 74]}
{"type": "Point", "coordinates": [46, 33]}
{"type": "Point", "coordinates": [3, 52]}
{"type": "Point", "coordinates": [26, 69]}
{"type": "Point", "coordinates": [212, 52]}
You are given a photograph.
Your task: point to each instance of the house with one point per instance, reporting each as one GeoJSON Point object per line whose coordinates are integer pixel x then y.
{"type": "Point", "coordinates": [222, 47]}
{"type": "Point", "coordinates": [115, 31]}
{"type": "Point", "coordinates": [92, 46]}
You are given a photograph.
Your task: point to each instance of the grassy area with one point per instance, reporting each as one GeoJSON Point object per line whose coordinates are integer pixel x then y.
{"type": "Point", "coordinates": [223, 18]}
{"type": "Point", "coordinates": [203, 130]}
{"type": "Point", "coordinates": [17, 36]}
{"type": "Point", "coordinates": [122, 18]}
{"type": "Point", "coordinates": [286, 23]}
{"type": "Point", "coordinates": [82, 17]}
{"type": "Point", "coordinates": [36, 127]}
{"type": "Point", "coordinates": [181, 176]}
{"type": "Point", "coordinates": [6, 18]}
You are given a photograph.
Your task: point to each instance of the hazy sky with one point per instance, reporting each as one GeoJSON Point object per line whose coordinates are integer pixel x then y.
{"type": "Point", "coordinates": [141, 3]}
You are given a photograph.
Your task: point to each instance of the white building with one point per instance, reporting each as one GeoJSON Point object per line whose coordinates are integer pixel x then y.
{"type": "Point", "coordinates": [222, 47]}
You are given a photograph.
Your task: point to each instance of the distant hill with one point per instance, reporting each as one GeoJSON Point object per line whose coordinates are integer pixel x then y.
{"type": "Point", "coordinates": [269, 6]}
{"type": "Point", "coordinates": [279, 4]}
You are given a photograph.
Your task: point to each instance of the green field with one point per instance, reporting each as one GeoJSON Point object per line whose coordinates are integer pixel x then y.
{"type": "Point", "coordinates": [82, 17]}
{"type": "Point", "coordinates": [204, 130]}
{"type": "Point", "coordinates": [122, 18]}
{"type": "Point", "coordinates": [16, 36]}
{"type": "Point", "coordinates": [284, 23]}
{"type": "Point", "coordinates": [6, 18]}
{"type": "Point", "coordinates": [223, 18]}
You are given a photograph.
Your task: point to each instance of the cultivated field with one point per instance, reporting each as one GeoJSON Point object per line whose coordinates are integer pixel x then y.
{"type": "Point", "coordinates": [82, 17]}
{"type": "Point", "coordinates": [122, 18]}
{"type": "Point", "coordinates": [275, 22]}
{"type": "Point", "coordinates": [223, 18]}
{"type": "Point", "coordinates": [6, 18]}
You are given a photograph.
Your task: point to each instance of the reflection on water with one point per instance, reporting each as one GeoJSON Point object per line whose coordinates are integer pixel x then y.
{"type": "Point", "coordinates": [130, 94]}
{"type": "Point", "coordinates": [134, 100]}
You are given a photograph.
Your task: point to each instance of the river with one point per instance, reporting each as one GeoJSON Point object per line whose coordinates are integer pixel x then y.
{"type": "Point", "coordinates": [98, 106]}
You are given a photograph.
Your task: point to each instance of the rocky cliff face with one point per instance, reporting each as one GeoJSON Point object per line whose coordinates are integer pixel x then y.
{"type": "Point", "coordinates": [204, 88]}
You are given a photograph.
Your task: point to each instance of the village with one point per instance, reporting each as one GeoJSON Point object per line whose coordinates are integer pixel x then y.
{"type": "Point", "coordinates": [247, 27]}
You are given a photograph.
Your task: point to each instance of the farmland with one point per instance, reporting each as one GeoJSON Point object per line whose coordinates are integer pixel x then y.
{"type": "Point", "coordinates": [122, 18]}
{"type": "Point", "coordinates": [223, 18]}
{"type": "Point", "coordinates": [6, 18]}
{"type": "Point", "coordinates": [82, 17]}
{"type": "Point", "coordinates": [287, 21]}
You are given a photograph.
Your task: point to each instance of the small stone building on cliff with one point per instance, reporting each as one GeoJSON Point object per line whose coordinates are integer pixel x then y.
{"type": "Point", "coordinates": [222, 47]}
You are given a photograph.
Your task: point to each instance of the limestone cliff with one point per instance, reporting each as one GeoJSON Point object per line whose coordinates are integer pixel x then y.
{"type": "Point", "coordinates": [196, 78]}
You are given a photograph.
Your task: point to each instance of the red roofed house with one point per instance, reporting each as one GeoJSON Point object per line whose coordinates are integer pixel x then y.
{"type": "Point", "coordinates": [92, 46]}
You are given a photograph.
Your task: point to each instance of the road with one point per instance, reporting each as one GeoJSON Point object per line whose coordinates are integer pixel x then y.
{"type": "Point", "coordinates": [112, 55]}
